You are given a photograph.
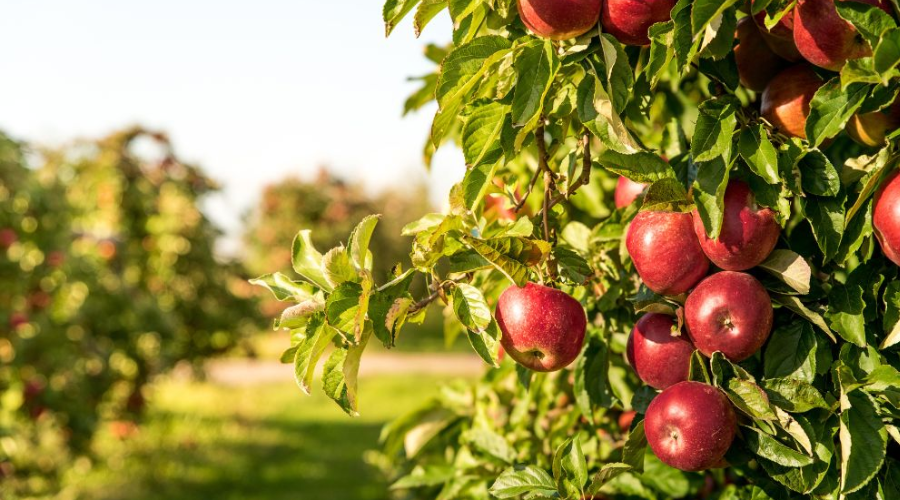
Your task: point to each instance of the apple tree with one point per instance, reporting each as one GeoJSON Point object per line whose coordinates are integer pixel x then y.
{"type": "Point", "coordinates": [676, 244]}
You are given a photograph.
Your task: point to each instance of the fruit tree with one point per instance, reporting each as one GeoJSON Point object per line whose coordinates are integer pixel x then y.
{"type": "Point", "coordinates": [695, 285]}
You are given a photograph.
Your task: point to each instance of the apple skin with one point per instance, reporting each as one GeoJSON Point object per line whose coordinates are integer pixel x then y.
{"type": "Point", "coordinates": [729, 312]}
{"type": "Point", "coordinates": [749, 232]}
{"type": "Point", "coordinates": [660, 358]}
{"type": "Point", "coordinates": [543, 328]}
{"type": "Point", "coordinates": [625, 419]}
{"type": "Point", "coordinates": [690, 426]}
{"type": "Point", "coordinates": [757, 64]}
{"type": "Point", "coordinates": [886, 218]}
{"type": "Point", "coordinates": [559, 19]}
{"type": "Point", "coordinates": [627, 191]}
{"type": "Point", "coordinates": [785, 102]}
{"type": "Point", "coordinates": [629, 20]}
{"type": "Point", "coordinates": [824, 38]}
{"type": "Point", "coordinates": [870, 129]}
{"type": "Point", "coordinates": [666, 252]}
{"type": "Point", "coordinates": [781, 37]}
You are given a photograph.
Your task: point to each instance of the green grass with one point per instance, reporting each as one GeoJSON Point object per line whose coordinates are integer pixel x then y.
{"type": "Point", "coordinates": [203, 441]}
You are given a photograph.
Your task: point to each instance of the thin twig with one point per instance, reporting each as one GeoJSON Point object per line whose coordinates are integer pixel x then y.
{"type": "Point", "coordinates": [583, 180]}
{"type": "Point", "coordinates": [422, 304]}
{"type": "Point", "coordinates": [524, 199]}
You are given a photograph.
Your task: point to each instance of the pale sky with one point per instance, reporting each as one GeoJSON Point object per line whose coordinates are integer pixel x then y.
{"type": "Point", "coordinates": [250, 90]}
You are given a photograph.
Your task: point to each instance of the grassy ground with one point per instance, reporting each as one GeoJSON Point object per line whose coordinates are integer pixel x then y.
{"type": "Point", "coordinates": [205, 441]}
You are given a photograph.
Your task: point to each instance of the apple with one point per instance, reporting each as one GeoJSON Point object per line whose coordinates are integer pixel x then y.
{"type": "Point", "coordinates": [629, 20]}
{"type": "Point", "coordinates": [781, 37]}
{"type": "Point", "coordinates": [665, 251]}
{"type": "Point", "coordinates": [543, 328]}
{"type": "Point", "coordinates": [7, 237]}
{"type": "Point", "coordinates": [870, 129]}
{"type": "Point", "coordinates": [690, 426]}
{"type": "Point", "coordinates": [749, 232]}
{"type": "Point", "coordinates": [17, 319]}
{"type": "Point", "coordinates": [824, 38]}
{"type": "Point", "coordinates": [56, 258]}
{"type": "Point", "coordinates": [627, 191]}
{"type": "Point", "coordinates": [559, 19]}
{"type": "Point", "coordinates": [625, 419]}
{"type": "Point", "coordinates": [661, 358]}
{"type": "Point", "coordinates": [886, 218]}
{"type": "Point", "coordinates": [756, 63]}
{"type": "Point", "coordinates": [729, 312]}
{"type": "Point", "coordinates": [785, 102]}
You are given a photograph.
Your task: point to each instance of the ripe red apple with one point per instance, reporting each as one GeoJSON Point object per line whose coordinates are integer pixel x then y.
{"type": "Point", "coordinates": [781, 37]}
{"type": "Point", "coordinates": [559, 19]}
{"type": "Point", "coordinates": [870, 129]}
{"type": "Point", "coordinates": [756, 63]}
{"type": "Point", "coordinates": [749, 232]}
{"type": "Point", "coordinates": [629, 20]}
{"type": "Point", "coordinates": [666, 252]}
{"type": "Point", "coordinates": [660, 358]}
{"type": "Point", "coordinates": [625, 419]}
{"type": "Point", "coordinates": [56, 258]}
{"type": "Point", "coordinates": [7, 237]}
{"type": "Point", "coordinates": [785, 102]}
{"type": "Point", "coordinates": [824, 38]}
{"type": "Point", "coordinates": [690, 426]}
{"type": "Point", "coordinates": [627, 191]}
{"type": "Point", "coordinates": [886, 218]}
{"type": "Point", "coordinates": [543, 328]}
{"type": "Point", "coordinates": [729, 312]}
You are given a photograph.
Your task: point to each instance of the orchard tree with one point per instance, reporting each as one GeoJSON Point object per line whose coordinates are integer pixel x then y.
{"type": "Point", "coordinates": [696, 288]}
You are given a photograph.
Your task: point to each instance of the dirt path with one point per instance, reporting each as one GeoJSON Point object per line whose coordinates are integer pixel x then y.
{"type": "Point", "coordinates": [251, 372]}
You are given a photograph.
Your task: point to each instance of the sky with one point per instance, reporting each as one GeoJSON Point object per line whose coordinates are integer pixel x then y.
{"type": "Point", "coordinates": [252, 91]}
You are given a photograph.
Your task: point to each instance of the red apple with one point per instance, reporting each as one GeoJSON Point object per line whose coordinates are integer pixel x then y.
{"type": "Point", "coordinates": [629, 20]}
{"type": "Point", "coordinates": [627, 191]}
{"type": "Point", "coordinates": [886, 218]}
{"type": "Point", "coordinates": [660, 358]}
{"type": "Point", "coordinates": [559, 19]}
{"type": "Point", "coordinates": [729, 312]}
{"type": "Point", "coordinates": [824, 38]}
{"type": "Point", "coordinates": [625, 419]}
{"type": "Point", "coordinates": [666, 252]}
{"type": "Point", "coordinates": [785, 102]}
{"type": "Point", "coordinates": [7, 237]}
{"type": "Point", "coordinates": [749, 232]}
{"type": "Point", "coordinates": [16, 319]}
{"type": "Point", "coordinates": [543, 328]}
{"type": "Point", "coordinates": [781, 37]}
{"type": "Point", "coordinates": [870, 129]}
{"type": "Point", "coordinates": [56, 258]}
{"type": "Point", "coordinates": [756, 63]}
{"type": "Point", "coordinates": [690, 426]}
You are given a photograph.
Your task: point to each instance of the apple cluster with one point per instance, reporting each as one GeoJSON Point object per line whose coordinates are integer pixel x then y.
{"type": "Point", "coordinates": [691, 425]}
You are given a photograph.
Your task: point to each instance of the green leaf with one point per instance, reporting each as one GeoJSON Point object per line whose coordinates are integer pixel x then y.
{"type": "Point", "coordinates": [521, 480]}
{"type": "Point", "coordinates": [790, 268]}
{"type": "Point", "coordinates": [346, 307]}
{"type": "Point", "coordinates": [338, 268]}
{"type": "Point", "coordinates": [714, 129]}
{"type": "Point", "coordinates": [709, 194]}
{"type": "Point", "coordinates": [609, 472]}
{"type": "Point", "coordinates": [830, 109]}
{"type": "Point", "coordinates": [511, 256]}
{"type": "Point", "coordinates": [394, 11]}
{"type": "Point", "coordinates": [817, 175]}
{"type": "Point", "coordinates": [570, 467]}
{"type": "Point", "coordinates": [595, 110]}
{"type": "Point", "coordinates": [685, 45]}
{"type": "Point", "coordinates": [806, 479]}
{"type": "Point", "coordinates": [845, 312]}
{"type": "Point", "coordinates": [572, 267]}
{"type": "Point", "coordinates": [887, 53]}
{"type": "Point", "coordinates": [429, 475]}
{"type": "Point", "coordinates": [536, 66]}
{"type": "Point", "coordinates": [666, 195]}
{"type": "Point", "coordinates": [486, 343]}
{"type": "Point", "coordinates": [307, 261]}
{"type": "Point", "coordinates": [771, 449]}
{"type": "Point", "coordinates": [869, 20]}
{"type": "Point", "coordinates": [333, 379]}
{"type": "Point", "coordinates": [470, 307]}
{"type": "Point", "coordinates": [891, 318]}
{"type": "Point", "coordinates": [360, 238]}
{"type": "Point", "coordinates": [705, 11]}
{"type": "Point", "coordinates": [318, 336]}
{"type": "Point", "coordinates": [662, 36]}
{"type": "Point", "coordinates": [697, 371]}
{"type": "Point", "coordinates": [619, 75]}
{"type": "Point", "coordinates": [426, 12]}
{"type": "Point", "coordinates": [481, 132]}
{"type": "Point", "coordinates": [297, 316]}
{"type": "Point", "coordinates": [794, 304]}
{"type": "Point", "coordinates": [642, 167]}
{"type": "Point", "coordinates": [591, 386]}
{"type": "Point", "coordinates": [760, 155]}
{"type": "Point", "coordinates": [791, 352]}
{"type": "Point", "coordinates": [490, 442]}
{"type": "Point", "coordinates": [863, 440]}
{"type": "Point", "coordinates": [283, 288]}
{"type": "Point", "coordinates": [793, 395]}
{"type": "Point", "coordinates": [635, 447]}
{"type": "Point", "coordinates": [740, 388]}
{"type": "Point", "coordinates": [826, 216]}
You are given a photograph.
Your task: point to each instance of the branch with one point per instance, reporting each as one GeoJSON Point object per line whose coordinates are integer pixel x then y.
{"type": "Point", "coordinates": [542, 166]}
{"type": "Point", "coordinates": [437, 290]}
{"type": "Point", "coordinates": [531, 184]}
{"type": "Point", "coordinates": [583, 180]}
